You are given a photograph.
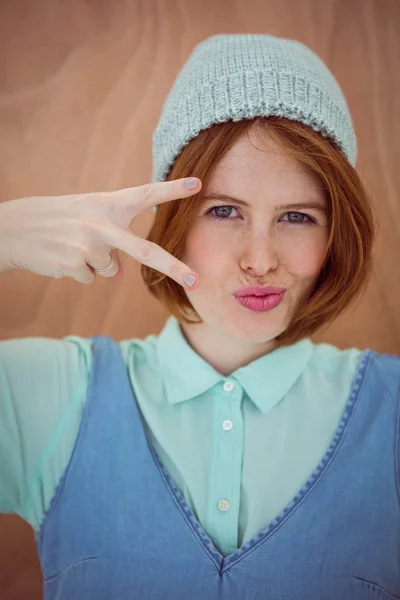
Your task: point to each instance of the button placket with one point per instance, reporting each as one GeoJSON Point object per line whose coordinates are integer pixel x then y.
{"type": "Point", "coordinates": [226, 479]}
{"type": "Point", "coordinates": [227, 424]}
{"type": "Point", "coordinates": [228, 386]}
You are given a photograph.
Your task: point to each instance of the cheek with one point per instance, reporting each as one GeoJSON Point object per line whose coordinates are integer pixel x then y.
{"type": "Point", "coordinates": [307, 258]}
{"type": "Point", "coordinates": [204, 253]}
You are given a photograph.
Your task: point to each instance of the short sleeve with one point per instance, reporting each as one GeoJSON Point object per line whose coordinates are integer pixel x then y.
{"type": "Point", "coordinates": [43, 388]}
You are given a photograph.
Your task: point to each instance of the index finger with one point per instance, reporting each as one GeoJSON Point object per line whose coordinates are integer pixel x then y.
{"type": "Point", "coordinates": [152, 194]}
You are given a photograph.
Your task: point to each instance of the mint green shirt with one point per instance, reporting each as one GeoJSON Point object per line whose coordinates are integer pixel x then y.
{"type": "Point", "coordinates": [239, 446]}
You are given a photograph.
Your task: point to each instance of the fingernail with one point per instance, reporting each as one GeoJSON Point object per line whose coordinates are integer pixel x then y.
{"type": "Point", "coordinates": [190, 184]}
{"type": "Point", "coordinates": [189, 280]}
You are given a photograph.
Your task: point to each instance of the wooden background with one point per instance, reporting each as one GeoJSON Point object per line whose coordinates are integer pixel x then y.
{"type": "Point", "coordinates": [82, 84]}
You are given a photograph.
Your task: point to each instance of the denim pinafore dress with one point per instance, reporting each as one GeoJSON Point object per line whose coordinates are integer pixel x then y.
{"type": "Point", "coordinates": [119, 529]}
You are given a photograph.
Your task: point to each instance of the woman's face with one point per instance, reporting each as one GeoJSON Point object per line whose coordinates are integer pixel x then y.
{"type": "Point", "coordinates": [265, 242]}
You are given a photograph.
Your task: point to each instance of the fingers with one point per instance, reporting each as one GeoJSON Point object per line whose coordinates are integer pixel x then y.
{"type": "Point", "coordinates": [84, 275]}
{"type": "Point", "coordinates": [138, 199]}
{"type": "Point", "coordinates": [102, 261]}
{"type": "Point", "coordinates": [152, 255]}
{"type": "Point", "coordinates": [151, 194]}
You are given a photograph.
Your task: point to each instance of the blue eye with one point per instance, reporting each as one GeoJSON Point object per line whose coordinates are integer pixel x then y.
{"type": "Point", "coordinates": [308, 220]}
{"type": "Point", "coordinates": [220, 208]}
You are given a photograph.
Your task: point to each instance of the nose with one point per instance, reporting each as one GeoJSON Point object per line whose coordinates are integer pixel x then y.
{"type": "Point", "coordinates": [259, 254]}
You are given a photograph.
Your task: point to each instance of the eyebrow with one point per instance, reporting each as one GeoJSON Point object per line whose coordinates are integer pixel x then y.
{"type": "Point", "coordinates": [307, 204]}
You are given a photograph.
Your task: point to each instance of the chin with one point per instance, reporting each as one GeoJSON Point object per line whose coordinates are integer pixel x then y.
{"type": "Point", "coordinates": [251, 330]}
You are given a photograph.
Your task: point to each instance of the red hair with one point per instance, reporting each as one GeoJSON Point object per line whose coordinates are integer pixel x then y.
{"type": "Point", "coordinates": [348, 260]}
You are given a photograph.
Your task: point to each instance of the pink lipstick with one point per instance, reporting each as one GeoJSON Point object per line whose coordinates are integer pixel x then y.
{"type": "Point", "coordinates": [260, 298]}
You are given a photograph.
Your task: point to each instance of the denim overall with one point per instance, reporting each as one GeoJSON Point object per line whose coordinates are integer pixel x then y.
{"type": "Point", "coordinates": [118, 528]}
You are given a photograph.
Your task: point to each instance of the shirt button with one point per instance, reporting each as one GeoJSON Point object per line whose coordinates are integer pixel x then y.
{"type": "Point", "coordinates": [228, 386]}
{"type": "Point", "coordinates": [223, 505]}
{"type": "Point", "coordinates": [227, 425]}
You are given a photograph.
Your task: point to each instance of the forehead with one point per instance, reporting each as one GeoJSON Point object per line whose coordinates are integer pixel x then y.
{"type": "Point", "coordinates": [258, 160]}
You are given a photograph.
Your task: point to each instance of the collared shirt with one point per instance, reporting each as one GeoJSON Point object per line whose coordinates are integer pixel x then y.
{"type": "Point", "coordinates": [238, 447]}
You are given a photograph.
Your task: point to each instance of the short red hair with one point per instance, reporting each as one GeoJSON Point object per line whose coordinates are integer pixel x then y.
{"type": "Point", "coordinates": [348, 260]}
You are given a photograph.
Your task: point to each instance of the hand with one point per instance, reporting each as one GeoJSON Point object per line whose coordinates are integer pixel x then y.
{"type": "Point", "coordinates": [72, 235]}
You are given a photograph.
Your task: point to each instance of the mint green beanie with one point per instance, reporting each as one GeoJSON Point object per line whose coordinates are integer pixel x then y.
{"type": "Point", "coordinates": [242, 76]}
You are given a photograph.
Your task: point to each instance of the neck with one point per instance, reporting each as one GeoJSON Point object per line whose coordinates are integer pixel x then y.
{"type": "Point", "coordinates": [225, 355]}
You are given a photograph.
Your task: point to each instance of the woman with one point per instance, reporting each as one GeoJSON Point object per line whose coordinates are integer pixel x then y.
{"type": "Point", "coordinates": [228, 456]}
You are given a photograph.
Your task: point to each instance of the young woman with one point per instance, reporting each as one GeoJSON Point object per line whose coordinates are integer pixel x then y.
{"type": "Point", "coordinates": [228, 457]}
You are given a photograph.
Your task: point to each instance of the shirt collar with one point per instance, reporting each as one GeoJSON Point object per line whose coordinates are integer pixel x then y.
{"type": "Point", "coordinates": [265, 380]}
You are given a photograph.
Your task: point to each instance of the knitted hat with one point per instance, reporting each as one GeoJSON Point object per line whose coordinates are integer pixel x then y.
{"type": "Point", "coordinates": [242, 76]}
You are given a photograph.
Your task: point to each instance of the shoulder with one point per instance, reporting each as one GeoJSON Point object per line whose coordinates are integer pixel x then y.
{"type": "Point", "coordinates": [134, 351]}
{"type": "Point", "coordinates": [333, 360]}
{"type": "Point", "coordinates": [355, 362]}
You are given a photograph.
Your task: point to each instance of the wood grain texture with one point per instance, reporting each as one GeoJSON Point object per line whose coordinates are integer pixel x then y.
{"type": "Point", "coordinates": [82, 84]}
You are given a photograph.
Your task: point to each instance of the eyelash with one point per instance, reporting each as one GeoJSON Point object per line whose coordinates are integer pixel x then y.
{"type": "Point", "coordinates": [309, 222]}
